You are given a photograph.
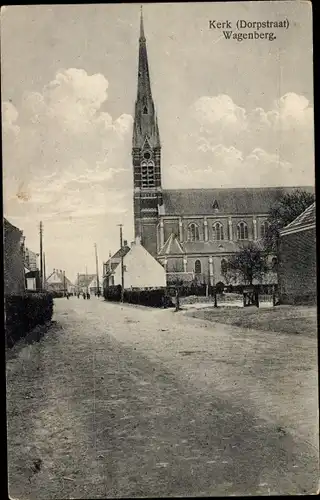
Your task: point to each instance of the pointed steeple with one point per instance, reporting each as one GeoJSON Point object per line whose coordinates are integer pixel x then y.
{"type": "Point", "coordinates": [142, 37]}
{"type": "Point", "coordinates": [145, 120]}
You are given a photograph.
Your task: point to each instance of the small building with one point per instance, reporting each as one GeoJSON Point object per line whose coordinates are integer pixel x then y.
{"type": "Point", "coordinates": [297, 269]}
{"type": "Point", "coordinates": [83, 282]}
{"type": "Point", "coordinates": [94, 286]}
{"type": "Point", "coordinates": [112, 263]}
{"type": "Point", "coordinates": [14, 277]}
{"type": "Point", "coordinates": [140, 269]}
{"type": "Point", "coordinates": [57, 281]}
{"type": "Point", "coordinates": [31, 259]}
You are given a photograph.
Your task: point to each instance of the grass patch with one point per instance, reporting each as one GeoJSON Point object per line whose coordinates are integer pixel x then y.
{"type": "Point", "coordinates": [282, 319]}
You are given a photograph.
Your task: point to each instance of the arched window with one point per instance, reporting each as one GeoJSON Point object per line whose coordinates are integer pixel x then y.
{"type": "Point", "coordinates": [264, 228]}
{"type": "Point", "coordinates": [193, 232]}
{"type": "Point", "coordinates": [147, 174]}
{"type": "Point", "coordinates": [242, 231]}
{"type": "Point", "coordinates": [197, 267]}
{"type": "Point", "coordinates": [217, 229]}
{"type": "Point", "coordinates": [224, 265]}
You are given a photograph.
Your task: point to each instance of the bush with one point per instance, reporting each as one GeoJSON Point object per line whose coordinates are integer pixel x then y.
{"type": "Point", "coordinates": [25, 312]}
{"type": "Point", "coordinates": [152, 298]}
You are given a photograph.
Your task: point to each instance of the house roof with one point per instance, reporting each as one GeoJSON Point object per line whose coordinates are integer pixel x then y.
{"type": "Point", "coordinates": [303, 221]}
{"type": "Point", "coordinates": [114, 261]}
{"type": "Point", "coordinates": [229, 200]}
{"type": "Point", "coordinates": [121, 252]}
{"type": "Point", "coordinates": [58, 277]}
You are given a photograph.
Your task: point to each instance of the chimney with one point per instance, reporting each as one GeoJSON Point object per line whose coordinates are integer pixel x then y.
{"type": "Point", "coordinates": [125, 243]}
{"type": "Point", "coordinates": [54, 270]}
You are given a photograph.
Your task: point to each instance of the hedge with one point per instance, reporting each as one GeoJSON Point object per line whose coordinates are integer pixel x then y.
{"type": "Point", "coordinates": [152, 298]}
{"type": "Point", "coordinates": [25, 312]}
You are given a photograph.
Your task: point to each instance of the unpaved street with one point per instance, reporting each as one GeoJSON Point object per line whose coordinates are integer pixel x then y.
{"type": "Point", "coordinates": [127, 401]}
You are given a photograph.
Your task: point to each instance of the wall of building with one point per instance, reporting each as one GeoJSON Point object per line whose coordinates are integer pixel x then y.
{"type": "Point", "coordinates": [171, 225]}
{"type": "Point", "coordinates": [297, 267]}
{"type": "Point", "coordinates": [14, 277]}
{"type": "Point", "coordinates": [141, 270]}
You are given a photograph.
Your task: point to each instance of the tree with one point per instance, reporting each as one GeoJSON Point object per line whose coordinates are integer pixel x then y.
{"type": "Point", "coordinates": [245, 266]}
{"type": "Point", "coordinates": [282, 213]}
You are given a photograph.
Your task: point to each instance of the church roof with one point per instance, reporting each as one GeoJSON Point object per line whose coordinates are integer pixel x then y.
{"type": "Point", "coordinates": [172, 246]}
{"type": "Point", "coordinates": [224, 200]}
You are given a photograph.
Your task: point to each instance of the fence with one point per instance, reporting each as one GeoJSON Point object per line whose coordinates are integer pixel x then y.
{"type": "Point", "coordinates": [157, 297]}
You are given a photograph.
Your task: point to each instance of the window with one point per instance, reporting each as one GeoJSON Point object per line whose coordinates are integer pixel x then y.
{"type": "Point", "coordinates": [197, 267]}
{"type": "Point", "coordinates": [218, 231]}
{"type": "Point", "coordinates": [263, 229]}
{"type": "Point", "coordinates": [224, 265]}
{"type": "Point", "coordinates": [193, 232]}
{"type": "Point", "coordinates": [242, 231]}
{"type": "Point", "coordinates": [215, 205]}
{"type": "Point", "coordinates": [147, 174]}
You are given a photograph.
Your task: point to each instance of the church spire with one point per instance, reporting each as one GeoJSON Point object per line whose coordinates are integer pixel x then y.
{"type": "Point", "coordinates": [142, 37]}
{"type": "Point", "coordinates": [145, 124]}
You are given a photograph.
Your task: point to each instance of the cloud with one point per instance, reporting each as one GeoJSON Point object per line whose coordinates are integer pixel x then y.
{"type": "Point", "coordinates": [222, 143]}
{"type": "Point", "coordinates": [63, 141]}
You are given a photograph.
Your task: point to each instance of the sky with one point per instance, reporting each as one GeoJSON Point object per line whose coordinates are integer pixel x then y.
{"type": "Point", "coordinates": [230, 113]}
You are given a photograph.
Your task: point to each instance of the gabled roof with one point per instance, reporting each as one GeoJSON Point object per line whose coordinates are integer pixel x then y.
{"type": "Point", "coordinates": [172, 246]}
{"type": "Point", "coordinates": [121, 252]}
{"type": "Point", "coordinates": [307, 218]}
{"type": "Point", "coordinates": [229, 200]}
{"type": "Point", "coordinates": [114, 261]}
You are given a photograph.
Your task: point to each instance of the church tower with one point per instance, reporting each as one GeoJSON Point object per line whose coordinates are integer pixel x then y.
{"type": "Point", "coordinates": [146, 156]}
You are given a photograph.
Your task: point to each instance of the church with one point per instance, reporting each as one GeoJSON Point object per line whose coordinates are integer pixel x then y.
{"type": "Point", "coordinates": [189, 231]}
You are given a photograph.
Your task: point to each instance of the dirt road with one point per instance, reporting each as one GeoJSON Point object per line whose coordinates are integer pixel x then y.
{"type": "Point", "coordinates": [123, 401]}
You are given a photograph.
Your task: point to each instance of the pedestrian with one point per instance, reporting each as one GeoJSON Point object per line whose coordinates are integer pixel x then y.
{"type": "Point", "coordinates": [88, 295]}
{"type": "Point", "coordinates": [67, 295]}
{"type": "Point", "coordinates": [84, 295]}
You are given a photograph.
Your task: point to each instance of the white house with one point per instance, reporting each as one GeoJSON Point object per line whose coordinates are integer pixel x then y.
{"type": "Point", "coordinates": [141, 270]}
{"type": "Point", "coordinates": [93, 286]}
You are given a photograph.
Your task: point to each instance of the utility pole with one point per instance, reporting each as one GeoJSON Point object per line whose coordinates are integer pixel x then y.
{"type": "Point", "coordinates": [122, 269]}
{"type": "Point", "coordinates": [41, 257]}
{"type": "Point", "coordinates": [44, 270]}
{"type": "Point", "coordinates": [97, 268]}
{"type": "Point", "coordinates": [64, 282]}
{"type": "Point", "coordinates": [78, 284]}
{"type": "Point", "coordinates": [87, 284]}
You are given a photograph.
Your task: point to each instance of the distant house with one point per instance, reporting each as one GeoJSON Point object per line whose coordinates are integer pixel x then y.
{"type": "Point", "coordinates": [297, 269]}
{"type": "Point", "coordinates": [31, 260]}
{"type": "Point", "coordinates": [110, 266]}
{"type": "Point", "coordinates": [93, 286]}
{"type": "Point", "coordinates": [141, 269]}
{"type": "Point", "coordinates": [58, 282]}
{"type": "Point", "coordinates": [14, 278]}
{"type": "Point", "coordinates": [83, 282]}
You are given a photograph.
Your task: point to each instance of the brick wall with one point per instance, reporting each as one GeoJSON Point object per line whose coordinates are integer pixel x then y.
{"type": "Point", "coordinates": [297, 267]}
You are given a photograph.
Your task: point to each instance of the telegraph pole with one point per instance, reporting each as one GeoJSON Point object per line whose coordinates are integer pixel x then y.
{"type": "Point", "coordinates": [97, 268]}
{"type": "Point", "coordinates": [78, 284]}
{"type": "Point", "coordinates": [44, 270]}
{"type": "Point", "coordinates": [87, 279]}
{"type": "Point", "coordinates": [122, 269]}
{"type": "Point", "coordinates": [64, 283]}
{"type": "Point", "coordinates": [41, 256]}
